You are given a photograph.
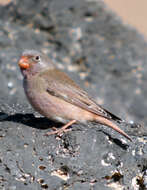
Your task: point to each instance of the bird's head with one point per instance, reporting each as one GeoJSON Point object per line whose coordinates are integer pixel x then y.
{"type": "Point", "coordinates": [32, 62]}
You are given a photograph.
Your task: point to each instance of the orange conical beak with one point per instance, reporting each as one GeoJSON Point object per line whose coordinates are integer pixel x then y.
{"type": "Point", "coordinates": [23, 62]}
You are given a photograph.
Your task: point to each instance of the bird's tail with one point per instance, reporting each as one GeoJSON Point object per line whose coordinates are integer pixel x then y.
{"type": "Point", "coordinates": [112, 125]}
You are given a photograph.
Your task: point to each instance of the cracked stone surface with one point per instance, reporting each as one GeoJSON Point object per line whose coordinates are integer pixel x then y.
{"type": "Point", "coordinates": [107, 59]}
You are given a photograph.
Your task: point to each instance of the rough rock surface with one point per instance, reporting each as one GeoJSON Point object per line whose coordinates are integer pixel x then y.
{"type": "Point", "coordinates": [106, 58]}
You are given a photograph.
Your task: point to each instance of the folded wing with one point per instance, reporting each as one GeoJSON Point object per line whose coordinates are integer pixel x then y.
{"type": "Point", "coordinates": [60, 85]}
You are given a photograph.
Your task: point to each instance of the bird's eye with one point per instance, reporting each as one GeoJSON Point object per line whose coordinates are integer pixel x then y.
{"type": "Point", "coordinates": [37, 58]}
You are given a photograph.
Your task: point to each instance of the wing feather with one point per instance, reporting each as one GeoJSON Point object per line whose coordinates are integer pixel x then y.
{"type": "Point", "coordinates": [60, 85]}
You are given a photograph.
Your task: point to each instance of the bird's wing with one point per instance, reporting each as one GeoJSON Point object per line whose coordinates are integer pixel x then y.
{"type": "Point", "coordinates": [60, 85]}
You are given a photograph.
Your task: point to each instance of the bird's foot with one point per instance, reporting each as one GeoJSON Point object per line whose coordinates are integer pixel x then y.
{"type": "Point", "coordinates": [59, 132]}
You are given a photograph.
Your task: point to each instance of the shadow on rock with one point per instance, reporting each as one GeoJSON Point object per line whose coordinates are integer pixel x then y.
{"type": "Point", "coordinates": [117, 141]}
{"type": "Point", "coordinates": [30, 120]}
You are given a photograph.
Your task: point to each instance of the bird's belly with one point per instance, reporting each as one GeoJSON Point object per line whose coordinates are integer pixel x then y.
{"type": "Point", "coordinates": [57, 109]}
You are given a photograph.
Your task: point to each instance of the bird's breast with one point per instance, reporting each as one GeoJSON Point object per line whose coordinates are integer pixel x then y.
{"type": "Point", "coordinates": [34, 89]}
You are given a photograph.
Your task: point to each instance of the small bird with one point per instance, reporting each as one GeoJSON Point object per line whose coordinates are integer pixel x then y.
{"type": "Point", "coordinates": [56, 96]}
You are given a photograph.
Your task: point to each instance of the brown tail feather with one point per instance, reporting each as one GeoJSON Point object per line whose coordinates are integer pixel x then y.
{"type": "Point", "coordinates": [112, 125]}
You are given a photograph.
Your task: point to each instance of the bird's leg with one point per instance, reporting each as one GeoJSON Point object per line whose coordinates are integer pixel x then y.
{"type": "Point", "coordinates": [63, 129]}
